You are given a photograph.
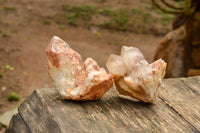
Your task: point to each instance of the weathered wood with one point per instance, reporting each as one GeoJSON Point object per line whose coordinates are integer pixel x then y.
{"type": "Point", "coordinates": [37, 114]}
{"type": "Point", "coordinates": [183, 95]}
{"type": "Point", "coordinates": [44, 111]}
{"type": "Point", "coordinates": [17, 125]}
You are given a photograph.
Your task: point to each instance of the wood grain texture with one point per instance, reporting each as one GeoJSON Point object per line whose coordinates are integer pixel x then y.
{"type": "Point", "coordinates": [183, 95]}
{"type": "Point", "coordinates": [44, 111]}
{"type": "Point", "coordinates": [37, 115]}
{"type": "Point", "coordinates": [17, 125]}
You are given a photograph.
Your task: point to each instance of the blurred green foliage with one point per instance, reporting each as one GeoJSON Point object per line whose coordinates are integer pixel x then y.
{"type": "Point", "coordinates": [9, 8]}
{"type": "Point", "coordinates": [106, 11]}
{"type": "Point", "coordinates": [119, 19]}
{"type": "Point", "coordinates": [47, 22]}
{"type": "Point", "coordinates": [13, 96]}
{"type": "Point", "coordinates": [5, 35]}
{"type": "Point", "coordinates": [1, 74]}
{"type": "Point", "coordinates": [9, 67]}
{"type": "Point", "coordinates": [83, 11]}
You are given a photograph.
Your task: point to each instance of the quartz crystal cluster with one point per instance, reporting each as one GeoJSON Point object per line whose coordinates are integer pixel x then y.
{"type": "Point", "coordinates": [75, 79]}
{"type": "Point", "coordinates": [134, 76]}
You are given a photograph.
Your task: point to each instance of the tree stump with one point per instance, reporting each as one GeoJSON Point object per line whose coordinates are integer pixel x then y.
{"type": "Point", "coordinates": [176, 110]}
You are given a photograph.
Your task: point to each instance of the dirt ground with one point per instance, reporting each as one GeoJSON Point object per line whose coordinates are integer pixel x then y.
{"type": "Point", "coordinates": [24, 38]}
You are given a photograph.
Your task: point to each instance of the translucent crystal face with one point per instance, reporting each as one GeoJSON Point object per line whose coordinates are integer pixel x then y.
{"type": "Point", "coordinates": [75, 79]}
{"type": "Point", "coordinates": [116, 64]}
{"type": "Point", "coordinates": [133, 75]}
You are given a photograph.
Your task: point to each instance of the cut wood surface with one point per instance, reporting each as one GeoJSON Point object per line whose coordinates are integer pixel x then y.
{"type": "Point", "coordinates": [177, 110]}
{"type": "Point", "coordinates": [183, 95]}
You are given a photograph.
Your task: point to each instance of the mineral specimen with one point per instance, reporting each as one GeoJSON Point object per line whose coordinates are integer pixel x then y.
{"type": "Point", "coordinates": [75, 79]}
{"type": "Point", "coordinates": [133, 76]}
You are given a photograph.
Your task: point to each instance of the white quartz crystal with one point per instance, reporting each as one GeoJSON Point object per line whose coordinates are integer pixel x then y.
{"type": "Point", "coordinates": [75, 79]}
{"type": "Point", "coordinates": [134, 76]}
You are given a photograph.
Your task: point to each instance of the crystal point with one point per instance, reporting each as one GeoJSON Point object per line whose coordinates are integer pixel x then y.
{"type": "Point", "coordinates": [134, 76]}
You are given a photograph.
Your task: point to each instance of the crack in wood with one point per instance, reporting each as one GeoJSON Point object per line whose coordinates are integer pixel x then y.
{"type": "Point", "coordinates": [176, 111]}
{"type": "Point", "coordinates": [24, 122]}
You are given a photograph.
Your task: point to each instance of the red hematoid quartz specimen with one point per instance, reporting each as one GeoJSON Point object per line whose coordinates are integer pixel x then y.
{"type": "Point", "coordinates": [134, 76]}
{"type": "Point", "coordinates": [75, 79]}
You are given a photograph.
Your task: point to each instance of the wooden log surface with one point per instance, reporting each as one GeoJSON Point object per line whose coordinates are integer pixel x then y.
{"type": "Point", "coordinates": [177, 110]}
{"type": "Point", "coordinates": [183, 95]}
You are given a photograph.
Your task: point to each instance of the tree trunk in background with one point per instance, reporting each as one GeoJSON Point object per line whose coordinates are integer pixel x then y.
{"type": "Point", "coordinates": [181, 47]}
{"type": "Point", "coordinates": [192, 41]}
